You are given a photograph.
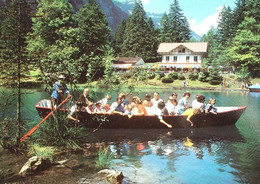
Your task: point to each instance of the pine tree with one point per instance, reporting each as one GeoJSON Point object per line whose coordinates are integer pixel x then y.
{"type": "Point", "coordinates": [137, 38]}
{"type": "Point", "coordinates": [225, 26]}
{"type": "Point", "coordinates": [93, 39]}
{"type": "Point", "coordinates": [119, 36]}
{"type": "Point", "coordinates": [14, 26]}
{"type": "Point", "coordinates": [165, 35]}
{"type": "Point", "coordinates": [179, 27]}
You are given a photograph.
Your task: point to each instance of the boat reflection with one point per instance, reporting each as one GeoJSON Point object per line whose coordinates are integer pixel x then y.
{"type": "Point", "coordinates": [138, 142]}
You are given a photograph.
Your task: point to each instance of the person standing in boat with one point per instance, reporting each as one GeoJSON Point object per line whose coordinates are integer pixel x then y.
{"type": "Point", "coordinates": [59, 91]}
{"type": "Point", "coordinates": [183, 103]}
{"type": "Point", "coordinates": [84, 96]}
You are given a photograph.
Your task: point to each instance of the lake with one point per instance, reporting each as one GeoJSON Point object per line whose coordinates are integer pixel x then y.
{"type": "Point", "coordinates": [228, 154]}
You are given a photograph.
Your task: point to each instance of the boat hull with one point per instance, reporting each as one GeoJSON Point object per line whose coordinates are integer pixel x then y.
{"type": "Point", "coordinates": [115, 121]}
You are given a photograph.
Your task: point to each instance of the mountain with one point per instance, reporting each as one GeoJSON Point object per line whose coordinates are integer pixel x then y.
{"type": "Point", "coordinates": [114, 13]}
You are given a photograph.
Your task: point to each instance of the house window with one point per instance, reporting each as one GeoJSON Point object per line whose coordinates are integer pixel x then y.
{"type": "Point", "coordinates": [175, 58]}
{"type": "Point", "coordinates": [167, 58]}
{"type": "Point", "coordinates": [196, 58]}
{"type": "Point", "coordinates": [187, 58]}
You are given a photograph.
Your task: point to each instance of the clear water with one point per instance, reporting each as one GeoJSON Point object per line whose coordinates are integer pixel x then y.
{"type": "Point", "coordinates": [205, 155]}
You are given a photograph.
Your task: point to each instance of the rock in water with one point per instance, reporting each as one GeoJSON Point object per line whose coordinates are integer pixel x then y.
{"type": "Point", "coordinates": [34, 164]}
{"type": "Point", "coordinates": [113, 176]}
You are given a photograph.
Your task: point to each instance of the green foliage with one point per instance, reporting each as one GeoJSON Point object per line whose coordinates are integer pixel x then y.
{"type": "Point", "coordinates": [181, 76]}
{"type": "Point", "coordinates": [245, 49]}
{"type": "Point", "coordinates": [192, 75]}
{"type": "Point", "coordinates": [14, 25]}
{"type": "Point", "coordinates": [104, 158]}
{"type": "Point", "coordinates": [243, 75]}
{"type": "Point", "coordinates": [176, 26]}
{"type": "Point", "coordinates": [167, 80]}
{"type": "Point", "coordinates": [139, 36]}
{"type": "Point", "coordinates": [173, 75]}
{"type": "Point", "coordinates": [92, 40]}
{"type": "Point", "coordinates": [58, 131]}
{"type": "Point", "coordinates": [41, 151]}
{"type": "Point", "coordinates": [203, 76]}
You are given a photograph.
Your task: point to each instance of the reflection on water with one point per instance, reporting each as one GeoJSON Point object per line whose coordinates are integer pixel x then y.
{"type": "Point", "coordinates": [203, 155]}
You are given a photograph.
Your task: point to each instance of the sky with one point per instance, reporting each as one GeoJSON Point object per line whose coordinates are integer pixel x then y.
{"type": "Point", "coordinates": [201, 14]}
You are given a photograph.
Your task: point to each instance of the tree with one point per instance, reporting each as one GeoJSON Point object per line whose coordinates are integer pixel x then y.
{"type": "Point", "coordinates": [165, 35]}
{"type": "Point", "coordinates": [52, 44]}
{"type": "Point", "coordinates": [138, 40]}
{"type": "Point", "coordinates": [119, 36]}
{"type": "Point", "coordinates": [93, 37]}
{"type": "Point", "coordinates": [14, 26]}
{"type": "Point", "coordinates": [179, 26]}
{"type": "Point", "coordinates": [245, 49]}
{"type": "Point", "coordinates": [225, 26]}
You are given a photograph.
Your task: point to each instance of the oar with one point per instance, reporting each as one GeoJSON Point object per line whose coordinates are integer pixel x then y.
{"type": "Point", "coordinates": [30, 132]}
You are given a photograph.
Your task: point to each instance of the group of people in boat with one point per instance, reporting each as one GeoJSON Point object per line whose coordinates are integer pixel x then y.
{"type": "Point", "coordinates": [134, 105]}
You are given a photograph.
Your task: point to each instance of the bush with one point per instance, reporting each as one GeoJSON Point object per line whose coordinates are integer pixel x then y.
{"type": "Point", "coordinates": [151, 75]}
{"type": "Point", "coordinates": [173, 75]}
{"type": "Point", "coordinates": [167, 80]}
{"type": "Point", "coordinates": [160, 75]}
{"type": "Point", "coordinates": [203, 76]}
{"type": "Point", "coordinates": [193, 76]}
{"type": "Point", "coordinates": [181, 76]}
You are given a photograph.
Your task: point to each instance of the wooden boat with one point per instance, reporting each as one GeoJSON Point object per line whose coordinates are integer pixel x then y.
{"type": "Point", "coordinates": [225, 116]}
{"type": "Point", "coordinates": [254, 88]}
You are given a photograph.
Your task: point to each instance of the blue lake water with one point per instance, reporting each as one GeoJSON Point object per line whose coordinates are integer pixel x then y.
{"type": "Point", "coordinates": [205, 155]}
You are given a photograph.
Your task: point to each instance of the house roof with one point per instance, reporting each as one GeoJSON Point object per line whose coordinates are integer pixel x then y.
{"type": "Point", "coordinates": [194, 46]}
{"type": "Point", "coordinates": [126, 60]}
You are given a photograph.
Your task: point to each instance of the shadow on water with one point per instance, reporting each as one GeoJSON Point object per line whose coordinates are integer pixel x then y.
{"type": "Point", "coordinates": [230, 133]}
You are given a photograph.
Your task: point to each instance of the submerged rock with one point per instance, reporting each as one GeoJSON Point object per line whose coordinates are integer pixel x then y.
{"type": "Point", "coordinates": [33, 165]}
{"type": "Point", "coordinates": [113, 176]}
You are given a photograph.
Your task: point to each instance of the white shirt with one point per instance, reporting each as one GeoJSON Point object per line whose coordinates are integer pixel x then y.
{"type": "Point", "coordinates": [172, 109]}
{"type": "Point", "coordinates": [155, 102]}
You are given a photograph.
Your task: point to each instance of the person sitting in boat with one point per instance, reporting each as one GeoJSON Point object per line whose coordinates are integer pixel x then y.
{"type": "Point", "coordinates": [183, 103]}
{"type": "Point", "coordinates": [75, 111]}
{"type": "Point", "coordinates": [84, 96]}
{"type": "Point", "coordinates": [171, 106]}
{"type": "Point", "coordinates": [98, 108]}
{"type": "Point", "coordinates": [160, 111]}
{"type": "Point", "coordinates": [156, 99]}
{"type": "Point", "coordinates": [90, 108]}
{"type": "Point", "coordinates": [117, 107]}
{"type": "Point", "coordinates": [190, 112]}
{"type": "Point", "coordinates": [210, 107]}
{"type": "Point", "coordinates": [199, 102]}
{"type": "Point", "coordinates": [104, 103]}
{"type": "Point", "coordinates": [124, 100]}
{"type": "Point", "coordinates": [59, 91]}
{"type": "Point", "coordinates": [175, 96]}
{"type": "Point", "coordinates": [141, 109]}
{"type": "Point", "coordinates": [147, 103]}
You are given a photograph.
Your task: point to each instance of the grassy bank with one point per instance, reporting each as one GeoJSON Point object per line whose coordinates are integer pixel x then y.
{"type": "Point", "coordinates": [32, 78]}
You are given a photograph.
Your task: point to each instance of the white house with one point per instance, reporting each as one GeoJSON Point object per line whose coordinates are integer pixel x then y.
{"type": "Point", "coordinates": [183, 55]}
{"type": "Point", "coordinates": [127, 62]}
